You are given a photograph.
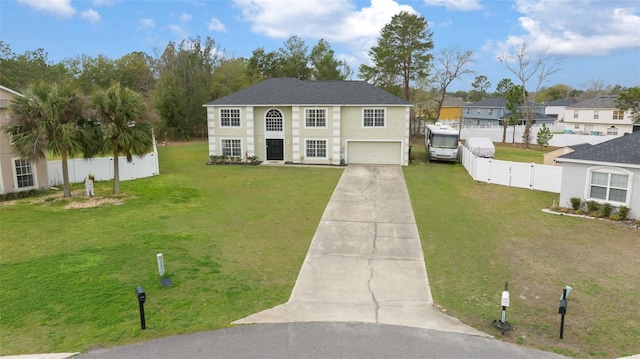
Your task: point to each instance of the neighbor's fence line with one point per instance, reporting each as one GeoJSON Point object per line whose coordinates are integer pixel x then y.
{"type": "Point", "coordinates": [102, 168]}
{"type": "Point", "coordinates": [513, 174]}
{"type": "Point", "coordinates": [558, 140]}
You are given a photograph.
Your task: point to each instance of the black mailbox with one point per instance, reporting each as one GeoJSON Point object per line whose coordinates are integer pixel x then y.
{"type": "Point", "coordinates": [563, 307]}
{"type": "Point", "coordinates": [142, 296]}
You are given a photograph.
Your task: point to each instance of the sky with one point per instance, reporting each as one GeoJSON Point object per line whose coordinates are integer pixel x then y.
{"type": "Point", "coordinates": [596, 41]}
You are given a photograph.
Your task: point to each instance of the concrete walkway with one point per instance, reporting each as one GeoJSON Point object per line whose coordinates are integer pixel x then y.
{"type": "Point", "coordinates": [365, 263]}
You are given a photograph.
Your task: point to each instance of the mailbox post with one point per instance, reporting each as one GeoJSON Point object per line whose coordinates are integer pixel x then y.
{"type": "Point", "coordinates": [502, 324]}
{"type": "Point", "coordinates": [563, 308]}
{"type": "Point", "coordinates": [142, 296]}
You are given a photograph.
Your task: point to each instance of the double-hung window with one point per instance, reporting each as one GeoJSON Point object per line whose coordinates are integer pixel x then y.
{"type": "Point", "coordinates": [596, 114]}
{"type": "Point", "coordinates": [315, 117]}
{"type": "Point", "coordinates": [373, 117]}
{"type": "Point", "coordinates": [618, 115]}
{"type": "Point", "coordinates": [232, 147]}
{"type": "Point", "coordinates": [575, 113]}
{"type": "Point", "coordinates": [609, 185]}
{"type": "Point", "coordinates": [230, 117]}
{"type": "Point", "coordinates": [24, 173]}
{"type": "Point", "coordinates": [316, 148]}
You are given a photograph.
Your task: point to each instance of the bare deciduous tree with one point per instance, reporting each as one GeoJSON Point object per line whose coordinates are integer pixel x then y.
{"type": "Point", "coordinates": [530, 65]}
{"type": "Point", "coordinates": [450, 64]}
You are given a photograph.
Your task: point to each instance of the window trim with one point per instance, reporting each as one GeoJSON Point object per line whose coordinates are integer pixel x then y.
{"type": "Point", "coordinates": [326, 148]}
{"type": "Point", "coordinates": [230, 109]}
{"type": "Point", "coordinates": [222, 147]}
{"type": "Point", "coordinates": [596, 114]}
{"type": "Point", "coordinates": [34, 176]}
{"type": "Point", "coordinates": [575, 113]}
{"type": "Point", "coordinates": [609, 171]}
{"type": "Point", "coordinates": [374, 109]}
{"type": "Point", "coordinates": [306, 125]}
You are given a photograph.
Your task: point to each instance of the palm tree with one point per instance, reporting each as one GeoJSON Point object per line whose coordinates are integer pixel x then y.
{"type": "Point", "coordinates": [47, 119]}
{"type": "Point", "coordinates": [119, 110]}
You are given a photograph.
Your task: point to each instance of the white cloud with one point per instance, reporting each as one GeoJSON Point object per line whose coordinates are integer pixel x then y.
{"type": "Point", "coordinates": [215, 25]}
{"type": "Point", "coordinates": [179, 32]}
{"type": "Point", "coordinates": [462, 5]}
{"type": "Point", "coordinates": [146, 24]}
{"type": "Point", "coordinates": [597, 27]}
{"type": "Point", "coordinates": [337, 21]}
{"type": "Point", "coordinates": [60, 8]}
{"type": "Point", "coordinates": [185, 17]}
{"type": "Point", "coordinates": [91, 15]}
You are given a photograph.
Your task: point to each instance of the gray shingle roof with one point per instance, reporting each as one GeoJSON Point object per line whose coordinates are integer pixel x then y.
{"type": "Point", "coordinates": [561, 102]}
{"type": "Point", "coordinates": [489, 102]}
{"type": "Point", "coordinates": [625, 150]}
{"type": "Point", "coordinates": [291, 91]}
{"type": "Point", "coordinates": [605, 101]}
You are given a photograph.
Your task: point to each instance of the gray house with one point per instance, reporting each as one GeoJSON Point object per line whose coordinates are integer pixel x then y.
{"type": "Point", "coordinates": [492, 111]}
{"type": "Point", "coordinates": [316, 122]}
{"type": "Point", "coordinates": [608, 172]}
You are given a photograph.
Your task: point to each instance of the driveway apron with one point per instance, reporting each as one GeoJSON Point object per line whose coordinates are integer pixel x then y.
{"type": "Point", "coordinates": [365, 263]}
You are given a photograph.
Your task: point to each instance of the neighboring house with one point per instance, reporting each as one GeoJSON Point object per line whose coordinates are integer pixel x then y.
{"type": "Point", "coordinates": [487, 112]}
{"type": "Point", "coordinates": [597, 116]}
{"type": "Point", "coordinates": [492, 111]}
{"type": "Point", "coordinates": [550, 157]}
{"type": "Point", "coordinates": [316, 122]}
{"type": "Point", "coordinates": [451, 109]}
{"type": "Point", "coordinates": [17, 174]}
{"type": "Point", "coordinates": [608, 172]}
{"type": "Point", "coordinates": [556, 108]}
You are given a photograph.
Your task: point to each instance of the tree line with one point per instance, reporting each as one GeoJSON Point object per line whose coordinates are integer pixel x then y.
{"type": "Point", "coordinates": [175, 82]}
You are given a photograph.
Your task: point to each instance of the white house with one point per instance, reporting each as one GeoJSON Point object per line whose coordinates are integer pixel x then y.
{"type": "Point", "coordinates": [598, 116]}
{"type": "Point", "coordinates": [316, 122]}
{"type": "Point", "coordinates": [607, 172]}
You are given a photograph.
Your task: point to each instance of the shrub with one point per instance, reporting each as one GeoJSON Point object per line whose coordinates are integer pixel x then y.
{"type": "Point", "coordinates": [592, 207]}
{"type": "Point", "coordinates": [623, 212]}
{"type": "Point", "coordinates": [576, 203]}
{"type": "Point", "coordinates": [606, 209]}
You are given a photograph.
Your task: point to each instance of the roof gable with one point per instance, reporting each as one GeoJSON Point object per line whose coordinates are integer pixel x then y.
{"type": "Point", "coordinates": [291, 91]}
{"type": "Point", "coordinates": [624, 150]}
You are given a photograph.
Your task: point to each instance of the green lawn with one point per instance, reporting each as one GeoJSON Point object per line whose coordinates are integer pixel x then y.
{"type": "Point", "coordinates": [476, 236]}
{"type": "Point", "coordinates": [517, 153]}
{"type": "Point", "coordinates": [234, 238]}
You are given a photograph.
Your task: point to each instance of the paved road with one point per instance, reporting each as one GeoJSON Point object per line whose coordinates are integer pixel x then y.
{"type": "Point", "coordinates": [321, 340]}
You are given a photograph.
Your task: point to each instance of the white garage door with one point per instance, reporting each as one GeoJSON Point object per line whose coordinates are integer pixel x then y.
{"type": "Point", "coordinates": [379, 153]}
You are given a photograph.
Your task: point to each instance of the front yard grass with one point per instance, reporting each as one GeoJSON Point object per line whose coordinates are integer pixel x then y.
{"type": "Point", "coordinates": [234, 238]}
{"type": "Point", "coordinates": [477, 236]}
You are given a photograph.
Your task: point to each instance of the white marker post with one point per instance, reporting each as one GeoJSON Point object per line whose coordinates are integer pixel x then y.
{"type": "Point", "coordinates": [160, 264]}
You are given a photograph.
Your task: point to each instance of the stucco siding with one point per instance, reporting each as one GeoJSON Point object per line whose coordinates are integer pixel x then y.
{"type": "Point", "coordinates": [574, 184]}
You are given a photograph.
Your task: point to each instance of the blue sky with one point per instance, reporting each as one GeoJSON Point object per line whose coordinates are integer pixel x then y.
{"type": "Point", "coordinates": [597, 41]}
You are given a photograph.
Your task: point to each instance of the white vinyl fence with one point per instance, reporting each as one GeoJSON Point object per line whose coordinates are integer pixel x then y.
{"type": "Point", "coordinates": [512, 174]}
{"type": "Point", "coordinates": [102, 168]}
{"type": "Point", "coordinates": [558, 139]}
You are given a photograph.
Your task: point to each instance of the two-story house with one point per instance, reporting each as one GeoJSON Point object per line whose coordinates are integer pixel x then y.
{"type": "Point", "coordinates": [16, 174]}
{"type": "Point", "coordinates": [597, 116]}
{"type": "Point", "coordinates": [316, 122]}
{"type": "Point", "coordinates": [493, 111]}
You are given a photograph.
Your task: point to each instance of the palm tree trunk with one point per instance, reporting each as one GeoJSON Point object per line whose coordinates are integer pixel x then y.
{"type": "Point", "coordinates": [116, 167]}
{"type": "Point", "coordinates": [65, 175]}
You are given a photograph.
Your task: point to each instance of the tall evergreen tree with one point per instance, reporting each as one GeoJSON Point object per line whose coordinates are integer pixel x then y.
{"type": "Point", "coordinates": [402, 53]}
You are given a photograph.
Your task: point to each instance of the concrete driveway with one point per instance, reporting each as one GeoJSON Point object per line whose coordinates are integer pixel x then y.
{"type": "Point", "coordinates": [365, 263]}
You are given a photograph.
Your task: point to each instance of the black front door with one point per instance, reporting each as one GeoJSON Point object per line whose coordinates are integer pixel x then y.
{"type": "Point", "coordinates": [275, 150]}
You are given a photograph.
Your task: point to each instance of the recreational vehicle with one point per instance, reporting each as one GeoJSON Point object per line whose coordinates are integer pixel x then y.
{"type": "Point", "coordinates": [441, 142]}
